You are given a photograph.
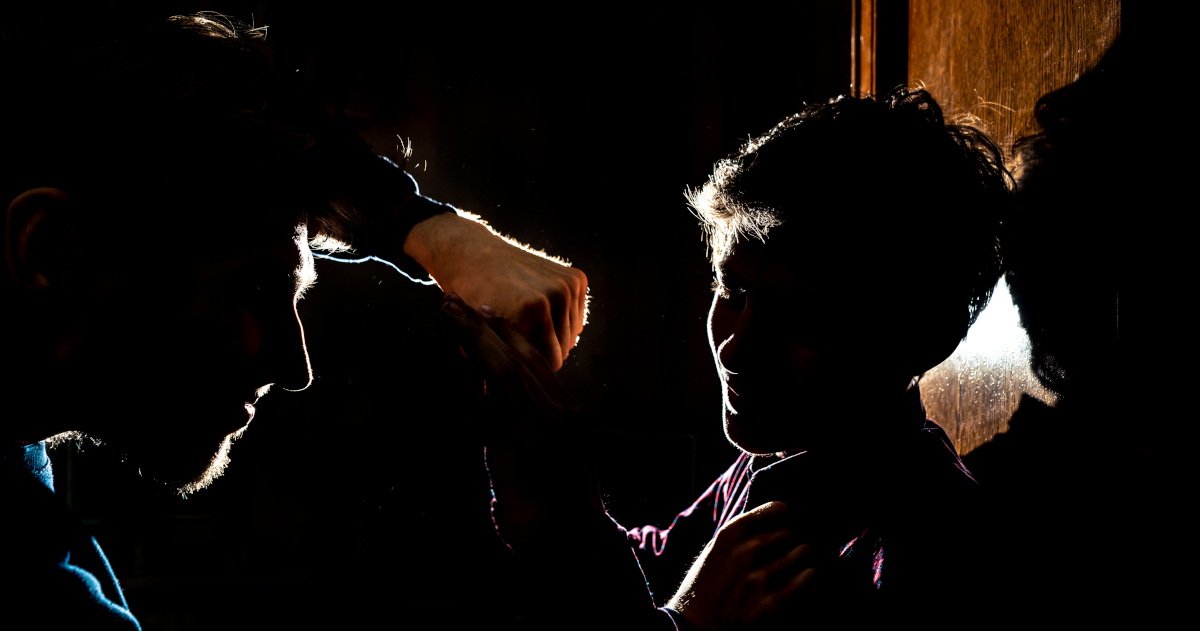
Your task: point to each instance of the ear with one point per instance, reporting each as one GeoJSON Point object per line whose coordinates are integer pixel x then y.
{"type": "Point", "coordinates": [37, 236]}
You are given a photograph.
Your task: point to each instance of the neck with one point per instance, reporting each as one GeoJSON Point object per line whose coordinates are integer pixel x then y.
{"type": "Point", "coordinates": [874, 424]}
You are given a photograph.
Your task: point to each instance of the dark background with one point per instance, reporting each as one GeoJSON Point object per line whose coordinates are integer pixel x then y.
{"type": "Point", "coordinates": [573, 129]}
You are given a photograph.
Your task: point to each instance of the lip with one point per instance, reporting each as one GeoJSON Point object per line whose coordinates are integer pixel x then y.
{"type": "Point", "coordinates": [734, 388]}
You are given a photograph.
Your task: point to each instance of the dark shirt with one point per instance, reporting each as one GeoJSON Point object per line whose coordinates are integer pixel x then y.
{"type": "Point", "coordinates": [895, 526]}
{"type": "Point", "coordinates": [55, 575]}
{"type": "Point", "coordinates": [385, 198]}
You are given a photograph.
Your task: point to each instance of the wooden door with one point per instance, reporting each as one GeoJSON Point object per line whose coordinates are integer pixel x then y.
{"type": "Point", "coordinates": [988, 63]}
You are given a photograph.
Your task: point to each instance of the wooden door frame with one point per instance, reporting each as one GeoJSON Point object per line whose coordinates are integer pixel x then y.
{"type": "Point", "coordinates": [878, 45]}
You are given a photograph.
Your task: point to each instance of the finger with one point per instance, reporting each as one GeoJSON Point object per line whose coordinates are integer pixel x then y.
{"type": "Point", "coordinates": [533, 359]}
{"type": "Point", "coordinates": [561, 313]}
{"type": "Point", "coordinates": [756, 550]}
{"type": "Point", "coordinates": [757, 519]}
{"type": "Point", "coordinates": [581, 306]}
{"type": "Point", "coordinates": [787, 592]}
{"type": "Point", "coordinates": [575, 307]}
{"type": "Point", "coordinates": [470, 323]}
{"type": "Point", "coordinates": [764, 511]}
{"type": "Point", "coordinates": [542, 333]}
{"type": "Point", "coordinates": [791, 562]}
{"type": "Point", "coordinates": [500, 365]}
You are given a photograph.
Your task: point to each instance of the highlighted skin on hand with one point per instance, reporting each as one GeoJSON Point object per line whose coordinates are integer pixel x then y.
{"type": "Point", "coordinates": [749, 572]}
{"type": "Point", "coordinates": [544, 298]}
{"type": "Point", "coordinates": [533, 419]}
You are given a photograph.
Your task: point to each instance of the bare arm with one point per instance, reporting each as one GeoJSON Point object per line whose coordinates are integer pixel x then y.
{"type": "Point", "coordinates": [544, 298]}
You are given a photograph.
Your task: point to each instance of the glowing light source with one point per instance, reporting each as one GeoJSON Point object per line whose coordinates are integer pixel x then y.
{"type": "Point", "coordinates": [975, 392]}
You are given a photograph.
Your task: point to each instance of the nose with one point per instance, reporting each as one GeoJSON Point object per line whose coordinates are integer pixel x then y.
{"type": "Point", "coordinates": [284, 353]}
{"type": "Point", "coordinates": [297, 369]}
{"type": "Point", "coordinates": [727, 329]}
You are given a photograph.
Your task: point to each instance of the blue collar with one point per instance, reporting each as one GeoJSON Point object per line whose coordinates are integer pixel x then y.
{"type": "Point", "coordinates": [37, 463]}
{"type": "Point", "coordinates": [31, 460]}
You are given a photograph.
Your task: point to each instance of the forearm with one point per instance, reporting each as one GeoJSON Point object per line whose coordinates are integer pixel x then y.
{"type": "Point", "coordinates": [388, 207]}
{"type": "Point", "coordinates": [415, 233]}
{"type": "Point", "coordinates": [445, 244]}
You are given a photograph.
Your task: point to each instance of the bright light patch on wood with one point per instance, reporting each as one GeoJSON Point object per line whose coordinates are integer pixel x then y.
{"type": "Point", "coordinates": [974, 393]}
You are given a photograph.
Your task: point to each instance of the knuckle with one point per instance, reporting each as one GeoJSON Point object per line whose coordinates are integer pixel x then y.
{"type": "Point", "coordinates": [728, 531]}
{"type": "Point", "coordinates": [499, 323]}
{"type": "Point", "coordinates": [538, 305]}
{"type": "Point", "coordinates": [564, 291]}
{"type": "Point", "coordinates": [745, 550]}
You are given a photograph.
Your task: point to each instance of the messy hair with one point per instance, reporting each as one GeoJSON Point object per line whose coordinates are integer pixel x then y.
{"type": "Point", "coordinates": [888, 169]}
{"type": "Point", "coordinates": [187, 108]}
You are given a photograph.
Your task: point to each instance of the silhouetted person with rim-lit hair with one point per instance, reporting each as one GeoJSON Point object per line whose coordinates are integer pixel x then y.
{"type": "Point", "coordinates": [853, 245]}
{"type": "Point", "coordinates": [1084, 487]}
{"type": "Point", "coordinates": [165, 189]}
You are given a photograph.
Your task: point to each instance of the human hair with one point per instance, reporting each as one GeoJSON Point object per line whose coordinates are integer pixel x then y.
{"type": "Point", "coordinates": [889, 172]}
{"type": "Point", "coordinates": [180, 120]}
{"type": "Point", "coordinates": [1088, 155]}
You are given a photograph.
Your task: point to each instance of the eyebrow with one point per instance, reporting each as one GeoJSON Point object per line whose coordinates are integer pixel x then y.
{"type": "Point", "coordinates": [306, 274]}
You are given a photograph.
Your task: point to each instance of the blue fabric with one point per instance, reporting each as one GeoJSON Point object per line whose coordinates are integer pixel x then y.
{"type": "Point", "coordinates": [36, 461]}
{"type": "Point", "coordinates": [55, 574]}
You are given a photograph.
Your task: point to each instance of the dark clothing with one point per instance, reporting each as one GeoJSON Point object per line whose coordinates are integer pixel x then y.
{"type": "Point", "coordinates": [392, 204]}
{"type": "Point", "coordinates": [891, 526]}
{"type": "Point", "coordinates": [55, 575]}
{"type": "Point", "coordinates": [386, 199]}
{"type": "Point", "coordinates": [895, 526]}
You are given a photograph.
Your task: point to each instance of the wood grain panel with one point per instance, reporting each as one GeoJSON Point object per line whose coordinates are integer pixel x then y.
{"type": "Point", "coordinates": [995, 59]}
{"type": "Point", "coordinates": [992, 61]}
{"type": "Point", "coordinates": [862, 47]}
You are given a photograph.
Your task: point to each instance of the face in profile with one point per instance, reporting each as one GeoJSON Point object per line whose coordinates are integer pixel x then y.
{"type": "Point", "coordinates": [175, 351]}
{"type": "Point", "coordinates": [803, 334]}
{"type": "Point", "coordinates": [768, 346]}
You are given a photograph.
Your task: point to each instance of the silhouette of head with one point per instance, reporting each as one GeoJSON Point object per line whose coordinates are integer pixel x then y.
{"type": "Point", "coordinates": [163, 188]}
{"type": "Point", "coordinates": [1061, 244]}
{"type": "Point", "coordinates": [854, 243]}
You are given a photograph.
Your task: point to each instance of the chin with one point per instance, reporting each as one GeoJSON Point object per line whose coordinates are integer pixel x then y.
{"type": "Point", "coordinates": [760, 434]}
{"type": "Point", "coordinates": [184, 466]}
{"type": "Point", "coordinates": [770, 421]}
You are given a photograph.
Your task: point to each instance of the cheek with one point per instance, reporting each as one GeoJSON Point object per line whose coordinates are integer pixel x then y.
{"type": "Point", "coordinates": [721, 323]}
{"type": "Point", "coordinates": [803, 362]}
{"type": "Point", "coordinates": [214, 328]}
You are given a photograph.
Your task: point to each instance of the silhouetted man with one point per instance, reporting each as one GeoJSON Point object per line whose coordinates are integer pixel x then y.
{"type": "Point", "coordinates": [166, 189]}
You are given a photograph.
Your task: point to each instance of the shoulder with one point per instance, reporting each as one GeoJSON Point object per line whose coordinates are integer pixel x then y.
{"type": "Point", "coordinates": [935, 501]}
{"type": "Point", "coordinates": [42, 588]}
{"type": "Point", "coordinates": [60, 595]}
{"type": "Point", "coordinates": [940, 459]}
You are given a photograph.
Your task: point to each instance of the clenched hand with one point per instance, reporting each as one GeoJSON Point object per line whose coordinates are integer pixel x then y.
{"type": "Point", "coordinates": [545, 300]}
{"type": "Point", "coordinates": [534, 421]}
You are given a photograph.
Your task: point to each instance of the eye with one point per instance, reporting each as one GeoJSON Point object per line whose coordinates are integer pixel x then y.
{"type": "Point", "coordinates": [260, 281]}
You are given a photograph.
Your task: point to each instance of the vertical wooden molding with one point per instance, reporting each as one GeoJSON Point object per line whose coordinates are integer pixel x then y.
{"type": "Point", "coordinates": [862, 47]}
{"type": "Point", "coordinates": [854, 56]}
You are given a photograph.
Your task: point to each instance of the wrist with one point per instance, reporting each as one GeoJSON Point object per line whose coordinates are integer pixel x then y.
{"type": "Point", "coordinates": [438, 243]}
